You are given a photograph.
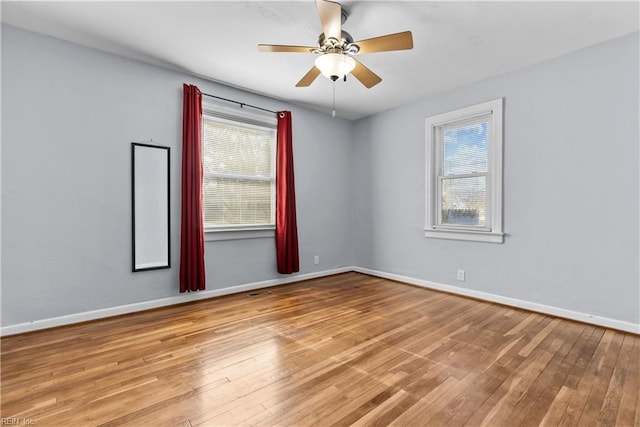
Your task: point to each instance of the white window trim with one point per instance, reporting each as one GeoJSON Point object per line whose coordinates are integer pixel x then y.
{"type": "Point", "coordinates": [236, 232]}
{"type": "Point", "coordinates": [494, 232]}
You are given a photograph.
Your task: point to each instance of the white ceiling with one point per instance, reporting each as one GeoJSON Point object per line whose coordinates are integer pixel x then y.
{"type": "Point", "coordinates": [455, 43]}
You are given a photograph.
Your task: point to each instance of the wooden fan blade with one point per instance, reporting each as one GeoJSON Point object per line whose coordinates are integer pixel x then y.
{"type": "Point", "coordinates": [365, 75]}
{"type": "Point", "coordinates": [397, 41]}
{"type": "Point", "coordinates": [309, 77]}
{"type": "Point", "coordinates": [284, 48]}
{"type": "Point", "coordinates": [331, 18]}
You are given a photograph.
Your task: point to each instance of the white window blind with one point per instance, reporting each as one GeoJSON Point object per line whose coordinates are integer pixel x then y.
{"type": "Point", "coordinates": [239, 173]}
{"type": "Point", "coordinates": [464, 174]}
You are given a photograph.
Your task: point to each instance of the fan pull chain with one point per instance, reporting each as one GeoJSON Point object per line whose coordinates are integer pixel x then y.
{"type": "Point", "coordinates": [333, 113]}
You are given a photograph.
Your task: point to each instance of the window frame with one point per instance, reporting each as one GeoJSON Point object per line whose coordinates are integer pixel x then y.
{"type": "Point", "coordinates": [435, 127]}
{"type": "Point", "coordinates": [247, 119]}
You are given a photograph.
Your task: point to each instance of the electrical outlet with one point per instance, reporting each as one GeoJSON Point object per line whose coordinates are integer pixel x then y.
{"type": "Point", "coordinates": [461, 275]}
{"type": "Point", "coordinates": [316, 260]}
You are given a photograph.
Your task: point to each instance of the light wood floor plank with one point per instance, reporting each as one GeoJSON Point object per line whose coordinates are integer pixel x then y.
{"type": "Point", "coordinates": [349, 349]}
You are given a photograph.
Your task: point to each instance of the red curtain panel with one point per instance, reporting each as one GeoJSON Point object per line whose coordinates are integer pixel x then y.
{"type": "Point", "coordinates": [192, 275]}
{"type": "Point", "coordinates": [286, 222]}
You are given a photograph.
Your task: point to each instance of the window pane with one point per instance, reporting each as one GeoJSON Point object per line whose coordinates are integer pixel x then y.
{"type": "Point", "coordinates": [237, 149]}
{"type": "Point", "coordinates": [465, 149]}
{"type": "Point", "coordinates": [236, 202]}
{"type": "Point", "coordinates": [464, 201]}
{"type": "Point", "coordinates": [234, 155]}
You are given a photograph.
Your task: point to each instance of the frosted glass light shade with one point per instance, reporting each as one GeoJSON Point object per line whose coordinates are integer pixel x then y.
{"type": "Point", "coordinates": [335, 66]}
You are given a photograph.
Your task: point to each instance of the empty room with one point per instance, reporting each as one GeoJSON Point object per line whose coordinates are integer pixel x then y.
{"type": "Point", "coordinates": [316, 213]}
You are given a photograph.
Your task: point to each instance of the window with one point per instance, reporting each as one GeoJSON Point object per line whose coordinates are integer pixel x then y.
{"type": "Point", "coordinates": [239, 171]}
{"type": "Point", "coordinates": [464, 174]}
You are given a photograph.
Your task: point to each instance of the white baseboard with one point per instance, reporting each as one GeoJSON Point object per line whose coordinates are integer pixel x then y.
{"type": "Point", "coordinates": [162, 302]}
{"type": "Point", "coordinates": [513, 302]}
{"type": "Point", "coordinates": [182, 298]}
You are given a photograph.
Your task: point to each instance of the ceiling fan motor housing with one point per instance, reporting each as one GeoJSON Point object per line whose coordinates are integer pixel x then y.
{"type": "Point", "coordinates": [346, 45]}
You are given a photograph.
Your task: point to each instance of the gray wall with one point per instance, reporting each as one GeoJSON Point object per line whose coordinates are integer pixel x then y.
{"type": "Point", "coordinates": [570, 187]}
{"type": "Point", "coordinates": [69, 114]}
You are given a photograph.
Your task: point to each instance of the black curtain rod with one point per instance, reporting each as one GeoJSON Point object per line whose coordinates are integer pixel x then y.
{"type": "Point", "coordinates": [242, 104]}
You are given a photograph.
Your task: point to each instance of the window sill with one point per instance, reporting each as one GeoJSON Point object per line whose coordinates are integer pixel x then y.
{"type": "Point", "coordinates": [238, 233]}
{"type": "Point", "coordinates": [469, 236]}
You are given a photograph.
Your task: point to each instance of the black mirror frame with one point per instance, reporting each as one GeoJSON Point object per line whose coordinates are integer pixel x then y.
{"type": "Point", "coordinates": [135, 267]}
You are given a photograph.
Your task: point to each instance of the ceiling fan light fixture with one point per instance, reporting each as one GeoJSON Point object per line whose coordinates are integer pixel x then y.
{"type": "Point", "coordinates": [335, 66]}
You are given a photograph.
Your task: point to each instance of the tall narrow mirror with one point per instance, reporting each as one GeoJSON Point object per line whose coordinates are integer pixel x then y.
{"type": "Point", "coordinates": [150, 206]}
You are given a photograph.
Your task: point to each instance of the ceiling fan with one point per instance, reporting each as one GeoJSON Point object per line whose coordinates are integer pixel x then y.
{"type": "Point", "coordinates": [336, 48]}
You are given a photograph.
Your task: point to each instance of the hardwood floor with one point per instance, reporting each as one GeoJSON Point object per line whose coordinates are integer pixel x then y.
{"type": "Point", "coordinates": [343, 350]}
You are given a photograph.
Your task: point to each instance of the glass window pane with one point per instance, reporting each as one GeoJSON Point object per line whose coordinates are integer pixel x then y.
{"type": "Point", "coordinates": [234, 154]}
{"type": "Point", "coordinates": [464, 201]}
{"type": "Point", "coordinates": [236, 202]}
{"type": "Point", "coordinates": [237, 149]}
{"type": "Point", "coordinates": [466, 149]}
